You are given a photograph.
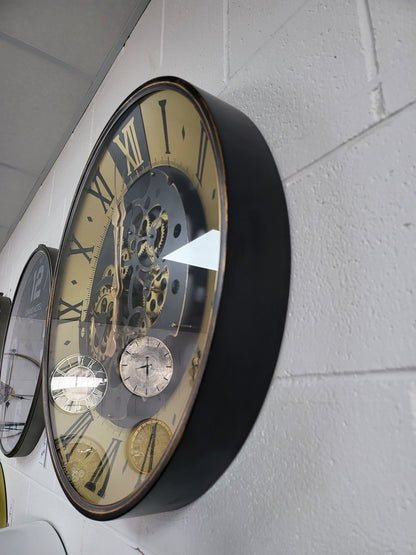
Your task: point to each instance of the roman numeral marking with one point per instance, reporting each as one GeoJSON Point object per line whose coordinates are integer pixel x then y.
{"type": "Point", "coordinates": [75, 433]}
{"type": "Point", "coordinates": [130, 148]}
{"type": "Point", "coordinates": [101, 190]}
{"type": "Point", "coordinates": [147, 464]}
{"type": "Point", "coordinates": [80, 249]}
{"type": "Point", "coordinates": [203, 143]}
{"type": "Point", "coordinates": [69, 308]}
{"type": "Point", "coordinates": [104, 468]}
{"type": "Point", "coordinates": [162, 104]}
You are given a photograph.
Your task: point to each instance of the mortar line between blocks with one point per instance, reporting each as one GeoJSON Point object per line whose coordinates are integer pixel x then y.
{"type": "Point", "coordinates": [368, 42]}
{"type": "Point", "coordinates": [162, 33]}
{"type": "Point", "coordinates": [392, 373]}
{"type": "Point", "coordinates": [367, 39]}
{"type": "Point", "coordinates": [367, 131]}
{"type": "Point", "coordinates": [226, 41]}
{"type": "Point", "coordinates": [270, 38]}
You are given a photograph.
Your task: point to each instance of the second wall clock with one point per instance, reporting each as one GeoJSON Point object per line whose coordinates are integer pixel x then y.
{"type": "Point", "coordinates": [168, 305]}
{"type": "Point", "coordinates": [21, 413]}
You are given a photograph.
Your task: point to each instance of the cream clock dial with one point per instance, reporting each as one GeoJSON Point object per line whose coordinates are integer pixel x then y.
{"type": "Point", "coordinates": [153, 374]}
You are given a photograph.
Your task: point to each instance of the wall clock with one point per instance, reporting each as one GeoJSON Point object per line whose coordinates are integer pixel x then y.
{"type": "Point", "coordinates": [168, 304]}
{"type": "Point", "coordinates": [5, 305]}
{"type": "Point", "coordinates": [21, 413]}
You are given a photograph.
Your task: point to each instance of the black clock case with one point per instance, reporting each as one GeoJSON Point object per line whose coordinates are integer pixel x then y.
{"type": "Point", "coordinates": [35, 422]}
{"type": "Point", "coordinates": [251, 316]}
{"type": "Point", "coordinates": [5, 307]}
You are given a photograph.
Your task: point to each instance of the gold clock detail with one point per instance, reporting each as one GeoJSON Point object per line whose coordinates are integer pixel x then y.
{"type": "Point", "coordinates": [153, 261]}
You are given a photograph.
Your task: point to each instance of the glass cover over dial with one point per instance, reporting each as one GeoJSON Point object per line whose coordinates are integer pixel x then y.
{"type": "Point", "coordinates": [146, 366]}
{"type": "Point", "coordinates": [135, 298]}
{"type": "Point", "coordinates": [22, 357]}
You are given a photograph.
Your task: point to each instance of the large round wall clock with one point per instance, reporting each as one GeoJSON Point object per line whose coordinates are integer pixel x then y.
{"type": "Point", "coordinates": [21, 411]}
{"type": "Point", "coordinates": [168, 303]}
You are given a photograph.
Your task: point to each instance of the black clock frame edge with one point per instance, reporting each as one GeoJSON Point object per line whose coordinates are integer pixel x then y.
{"type": "Point", "coordinates": [34, 425]}
{"type": "Point", "coordinates": [247, 338]}
{"type": "Point", "coordinates": [3, 523]}
{"type": "Point", "coordinates": [5, 308]}
{"type": "Point", "coordinates": [238, 372]}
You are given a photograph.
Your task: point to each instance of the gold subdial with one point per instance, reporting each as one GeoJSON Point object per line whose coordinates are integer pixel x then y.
{"type": "Point", "coordinates": [147, 443]}
{"type": "Point", "coordinates": [146, 366]}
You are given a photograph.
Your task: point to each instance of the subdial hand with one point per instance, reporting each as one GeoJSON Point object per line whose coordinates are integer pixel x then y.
{"type": "Point", "coordinates": [147, 366]}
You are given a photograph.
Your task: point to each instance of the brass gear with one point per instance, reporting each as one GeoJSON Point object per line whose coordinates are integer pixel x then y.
{"type": "Point", "coordinates": [125, 257]}
{"type": "Point", "coordinates": [156, 294]}
{"type": "Point", "coordinates": [152, 235]}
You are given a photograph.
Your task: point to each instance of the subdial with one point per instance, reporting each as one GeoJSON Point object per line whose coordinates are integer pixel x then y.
{"type": "Point", "coordinates": [82, 460]}
{"type": "Point", "coordinates": [78, 383]}
{"type": "Point", "coordinates": [147, 443]}
{"type": "Point", "coordinates": [146, 366]}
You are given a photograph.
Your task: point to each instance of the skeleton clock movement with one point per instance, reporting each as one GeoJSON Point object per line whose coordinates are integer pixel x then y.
{"type": "Point", "coordinates": [168, 304]}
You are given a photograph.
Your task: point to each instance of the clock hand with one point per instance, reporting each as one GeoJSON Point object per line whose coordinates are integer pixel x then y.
{"type": "Point", "coordinates": [119, 215]}
{"type": "Point", "coordinates": [147, 366]}
{"type": "Point", "coordinates": [147, 373]}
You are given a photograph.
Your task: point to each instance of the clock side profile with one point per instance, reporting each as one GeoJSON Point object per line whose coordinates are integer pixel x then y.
{"type": "Point", "coordinates": [173, 269]}
{"type": "Point", "coordinates": [21, 412]}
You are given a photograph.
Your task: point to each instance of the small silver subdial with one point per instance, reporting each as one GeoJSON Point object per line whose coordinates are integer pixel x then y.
{"type": "Point", "coordinates": [78, 383]}
{"type": "Point", "coordinates": [146, 366]}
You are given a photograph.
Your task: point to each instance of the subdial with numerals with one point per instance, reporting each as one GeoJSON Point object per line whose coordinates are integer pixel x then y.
{"type": "Point", "coordinates": [78, 383]}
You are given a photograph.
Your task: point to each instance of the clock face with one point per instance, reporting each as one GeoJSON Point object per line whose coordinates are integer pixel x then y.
{"type": "Point", "coordinates": [21, 418]}
{"type": "Point", "coordinates": [135, 298]}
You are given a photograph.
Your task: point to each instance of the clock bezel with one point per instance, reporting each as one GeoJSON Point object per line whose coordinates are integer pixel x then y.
{"type": "Point", "coordinates": [34, 424]}
{"type": "Point", "coordinates": [240, 164]}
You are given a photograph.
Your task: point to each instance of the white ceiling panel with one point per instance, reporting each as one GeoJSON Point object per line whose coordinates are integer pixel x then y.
{"type": "Point", "coordinates": [53, 56]}
{"type": "Point", "coordinates": [81, 33]}
{"type": "Point", "coordinates": [15, 188]}
{"type": "Point", "coordinates": [38, 101]}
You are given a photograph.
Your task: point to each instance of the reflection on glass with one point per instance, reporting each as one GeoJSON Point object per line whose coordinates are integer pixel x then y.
{"type": "Point", "coordinates": [23, 347]}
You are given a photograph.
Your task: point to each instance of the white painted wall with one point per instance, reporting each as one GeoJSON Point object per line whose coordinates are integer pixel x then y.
{"type": "Point", "coordinates": [330, 466]}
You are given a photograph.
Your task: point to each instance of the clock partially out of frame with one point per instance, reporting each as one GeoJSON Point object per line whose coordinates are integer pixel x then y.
{"type": "Point", "coordinates": [21, 411]}
{"type": "Point", "coordinates": [168, 304]}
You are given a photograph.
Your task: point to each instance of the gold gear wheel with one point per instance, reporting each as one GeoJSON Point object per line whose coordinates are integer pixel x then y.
{"type": "Point", "coordinates": [125, 257]}
{"type": "Point", "coordinates": [154, 229]}
{"type": "Point", "coordinates": [157, 293]}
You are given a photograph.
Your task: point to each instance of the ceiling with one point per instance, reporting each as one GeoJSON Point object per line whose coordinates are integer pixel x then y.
{"type": "Point", "coordinates": [53, 56]}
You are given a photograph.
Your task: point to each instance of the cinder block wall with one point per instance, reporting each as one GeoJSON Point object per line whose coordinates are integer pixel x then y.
{"type": "Point", "coordinates": [330, 465]}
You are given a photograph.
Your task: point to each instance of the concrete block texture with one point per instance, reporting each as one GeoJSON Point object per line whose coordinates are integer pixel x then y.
{"type": "Point", "coordinates": [329, 467]}
{"type": "Point", "coordinates": [395, 48]}
{"type": "Point", "coordinates": [353, 289]}
{"type": "Point", "coordinates": [193, 42]}
{"type": "Point", "coordinates": [252, 24]}
{"type": "Point", "coordinates": [306, 87]}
